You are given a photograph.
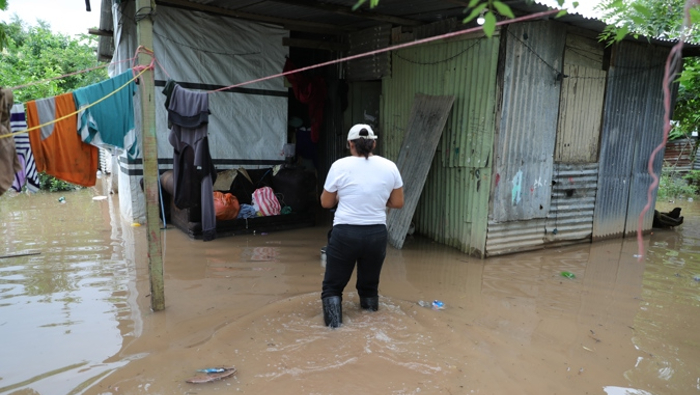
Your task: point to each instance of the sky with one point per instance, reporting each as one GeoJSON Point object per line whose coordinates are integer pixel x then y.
{"type": "Point", "coordinates": [65, 16]}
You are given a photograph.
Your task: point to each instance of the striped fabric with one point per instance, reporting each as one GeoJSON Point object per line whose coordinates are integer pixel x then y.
{"type": "Point", "coordinates": [265, 202]}
{"type": "Point", "coordinates": [28, 174]}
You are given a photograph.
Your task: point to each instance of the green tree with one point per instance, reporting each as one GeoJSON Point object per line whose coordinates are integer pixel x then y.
{"type": "Point", "coordinates": [651, 18]}
{"type": "Point", "coordinates": [664, 19]}
{"type": "Point", "coordinates": [34, 54]}
{"type": "Point", "coordinates": [3, 7]}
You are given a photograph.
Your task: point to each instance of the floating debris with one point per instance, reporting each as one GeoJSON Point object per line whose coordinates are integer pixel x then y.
{"type": "Point", "coordinates": [568, 275]}
{"type": "Point", "coordinates": [216, 374]}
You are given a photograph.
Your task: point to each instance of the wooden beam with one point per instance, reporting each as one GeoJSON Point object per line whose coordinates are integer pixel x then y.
{"type": "Point", "coordinates": [98, 32]}
{"type": "Point", "coordinates": [144, 38]}
{"type": "Point", "coordinates": [289, 24]}
{"type": "Point", "coordinates": [344, 10]}
{"type": "Point", "coordinates": [314, 44]}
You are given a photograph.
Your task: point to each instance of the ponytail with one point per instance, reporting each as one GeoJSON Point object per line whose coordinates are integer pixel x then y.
{"type": "Point", "coordinates": [364, 147]}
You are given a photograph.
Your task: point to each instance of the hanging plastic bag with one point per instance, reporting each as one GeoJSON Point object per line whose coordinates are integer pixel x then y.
{"type": "Point", "coordinates": [226, 206]}
{"type": "Point", "coordinates": [265, 202]}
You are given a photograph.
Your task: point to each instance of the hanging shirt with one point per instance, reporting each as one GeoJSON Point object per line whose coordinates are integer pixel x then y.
{"type": "Point", "coordinates": [192, 165]}
{"type": "Point", "coordinates": [9, 162]}
{"type": "Point", "coordinates": [28, 174]}
{"type": "Point", "coordinates": [110, 122]}
{"type": "Point", "coordinates": [57, 147]}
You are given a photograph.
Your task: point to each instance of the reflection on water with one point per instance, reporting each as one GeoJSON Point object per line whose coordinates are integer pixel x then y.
{"type": "Point", "coordinates": [79, 321]}
{"type": "Point", "coordinates": [63, 309]}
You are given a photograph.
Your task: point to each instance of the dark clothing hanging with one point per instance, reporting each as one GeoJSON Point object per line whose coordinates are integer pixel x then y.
{"type": "Point", "coordinates": [311, 91]}
{"type": "Point", "coordinates": [193, 170]}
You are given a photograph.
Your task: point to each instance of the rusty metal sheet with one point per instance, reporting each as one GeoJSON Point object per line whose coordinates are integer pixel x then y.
{"type": "Point", "coordinates": [423, 133]}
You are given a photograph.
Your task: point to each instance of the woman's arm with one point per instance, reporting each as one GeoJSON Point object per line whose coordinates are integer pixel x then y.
{"type": "Point", "coordinates": [330, 199]}
{"type": "Point", "coordinates": [395, 199]}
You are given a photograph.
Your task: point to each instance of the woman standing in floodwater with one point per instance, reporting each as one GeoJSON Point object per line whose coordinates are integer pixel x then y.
{"type": "Point", "coordinates": [363, 185]}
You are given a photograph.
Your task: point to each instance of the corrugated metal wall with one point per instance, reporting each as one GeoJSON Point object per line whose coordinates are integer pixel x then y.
{"type": "Point", "coordinates": [679, 155]}
{"type": "Point", "coordinates": [528, 121]}
{"type": "Point", "coordinates": [581, 106]}
{"type": "Point", "coordinates": [454, 204]}
{"type": "Point", "coordinates": [650, 137]}
{"type": "Point", "coordinates": [371, 67]}
{"type": "Point", "coordinates": [570, 217]}
{"type": "Point", "coordinates": [632, 127]}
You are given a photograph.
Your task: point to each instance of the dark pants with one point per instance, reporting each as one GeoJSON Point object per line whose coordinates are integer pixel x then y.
{"type": "Point", "coordinates": [350, 244]}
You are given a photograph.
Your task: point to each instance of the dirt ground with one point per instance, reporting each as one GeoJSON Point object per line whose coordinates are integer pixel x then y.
{"type": "Point", "coordinates": [75, 315]}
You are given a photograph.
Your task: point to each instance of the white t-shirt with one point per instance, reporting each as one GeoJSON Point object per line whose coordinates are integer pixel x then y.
{"type": "Point", "coordinates": [363, 187]}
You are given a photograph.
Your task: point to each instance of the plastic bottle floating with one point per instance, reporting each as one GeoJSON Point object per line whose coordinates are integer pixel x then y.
{"type": "Point", "coordinates": [438, 305]}
{"type": "Point", "coordinates": [568, 275]}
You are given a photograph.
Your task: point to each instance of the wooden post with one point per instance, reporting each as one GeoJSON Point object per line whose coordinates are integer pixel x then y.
{"type": "Point", "coordinates": [144, 33]}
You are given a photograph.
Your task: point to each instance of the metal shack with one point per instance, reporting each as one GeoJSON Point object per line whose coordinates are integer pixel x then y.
{"type": "Point", "coordinates": [547, 141]}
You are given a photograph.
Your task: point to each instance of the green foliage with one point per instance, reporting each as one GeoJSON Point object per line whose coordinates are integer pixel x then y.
{"type": "Point", "coordinates": [372, 4]}
{"type": "Point", "coordinates": [34, 53]}
{"type": "Point", "coordinates": [53, 184]}
{"type": "Point", "coordinates": [671, 186]}
{"type": "Point", "coordinates": [651, 18]}
{"type": "Point", "coordinates": [3, 27]}
{"type": "Point", "coordinates": [693, 177]}
{"type": "Point", "coordinates": [687, 110]}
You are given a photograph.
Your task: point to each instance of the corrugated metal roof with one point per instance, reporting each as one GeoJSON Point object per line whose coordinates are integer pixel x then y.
{"type": "Point", "coordinates": [337, 16]}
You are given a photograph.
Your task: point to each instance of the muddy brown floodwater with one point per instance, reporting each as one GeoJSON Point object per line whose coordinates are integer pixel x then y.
{"type": "Point", "coordinates": [75, 316]}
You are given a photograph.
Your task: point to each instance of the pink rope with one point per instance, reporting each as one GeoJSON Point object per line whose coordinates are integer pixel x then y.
{"type": "Point", "coordinates": [387, 49]}
{"type": "Point", "coordinates": [64, 76]}
{"type": "Point", "coordinates": [668, 77]}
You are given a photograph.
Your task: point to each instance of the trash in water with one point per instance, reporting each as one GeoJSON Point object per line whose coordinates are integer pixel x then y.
{"type": "Point", "coordinates": [99, 197]}
{"type": "Point", "coordinates": [62, 199]}
{"type": "Point", "coordinates": [212, 370]}
{"type": "Point", "coordinates": [436, 305]}
{"type": "Point", "coordinates": [568, 275]}
{"type": "Point", "coordinates": [696, 278]}
{"type": "Point", "coordinates": [135, 224]}
{"type": "Point", "coordinates": [211, 374]}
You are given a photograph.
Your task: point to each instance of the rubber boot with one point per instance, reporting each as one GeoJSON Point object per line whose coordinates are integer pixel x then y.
{"type": "Point", "coordinates": [332, 311]}
{"type": "Point", "coordinates": [371, 304]}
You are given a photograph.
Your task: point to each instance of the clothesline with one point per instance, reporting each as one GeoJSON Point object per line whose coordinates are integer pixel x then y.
{"type": "Point", "coordinates": [78, 111]}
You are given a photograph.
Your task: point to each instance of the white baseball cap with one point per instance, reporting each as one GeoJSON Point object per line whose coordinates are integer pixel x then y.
{"type": "Point", "coordinates": [356, 132]}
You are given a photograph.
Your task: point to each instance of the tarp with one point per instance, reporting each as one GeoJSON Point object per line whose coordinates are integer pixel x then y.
{"type": "Point", "coordinates": [205, 52]}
